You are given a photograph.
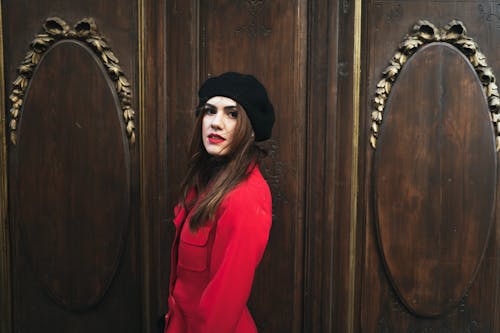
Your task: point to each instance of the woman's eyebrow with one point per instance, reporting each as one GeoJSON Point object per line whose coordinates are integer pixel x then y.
{"type": "Point", "coordinates": [229, 107]}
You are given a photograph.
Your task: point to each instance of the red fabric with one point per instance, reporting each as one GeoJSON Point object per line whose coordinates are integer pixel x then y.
{"type": "Point", "coordinates": [213, 269]}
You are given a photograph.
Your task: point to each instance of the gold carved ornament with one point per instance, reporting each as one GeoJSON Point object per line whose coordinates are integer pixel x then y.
{"type": "Point", "coordinates": [55, 29]}
{"type": "Point", "coordinates": [424, 32]}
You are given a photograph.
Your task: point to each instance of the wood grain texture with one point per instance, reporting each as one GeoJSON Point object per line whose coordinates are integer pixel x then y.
{"type": "Point", "coordinates": [435, 179]}
{"type": "Point", "coordinates": [73, 174]}
{"type": "Point", "coordinates": [120, 308]}
{"type": "Point", "coordinates": [321, 151]}
{"type": "Point", "coordinates": [155, 244]}
{"type": "Point", "coordinates": [386, 24]}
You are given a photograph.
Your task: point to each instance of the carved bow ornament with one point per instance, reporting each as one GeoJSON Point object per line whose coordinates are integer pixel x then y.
{"type": "Point", "coordinates": [424, 32]}
{"type": "Point", "coordinates": [55, 29]}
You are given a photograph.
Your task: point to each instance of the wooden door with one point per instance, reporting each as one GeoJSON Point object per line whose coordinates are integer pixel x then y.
{"type": "Point", "coordinates": [73, 201]}
{"type": "Point", "coordinates": [430, 231]}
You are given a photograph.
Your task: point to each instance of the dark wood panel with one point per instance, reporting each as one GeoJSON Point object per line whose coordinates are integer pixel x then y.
{"type": "Point", "coordinates": [120, 308]}
{"type": "Point", "coordinates": [330, 225]}
{"type": "Point", "coordinates": [322, 121]}
{"type": "Point", "coordinates": [73, 175]}
{"type": "Point", "coordinates": [435, 179]}
{"type": "Point", "coordinates": [152, 74]}
{"type": "Point", "coordinates": [385, 25]}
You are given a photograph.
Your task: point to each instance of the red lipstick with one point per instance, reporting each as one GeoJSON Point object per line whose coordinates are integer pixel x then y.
{"type": "Point", "coordinates": [215, 138]}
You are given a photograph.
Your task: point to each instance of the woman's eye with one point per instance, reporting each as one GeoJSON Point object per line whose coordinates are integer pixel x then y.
{"type": "Point", "coordinates": [209, 111]}
{"type": "Point", "coordinates": [233, 114]}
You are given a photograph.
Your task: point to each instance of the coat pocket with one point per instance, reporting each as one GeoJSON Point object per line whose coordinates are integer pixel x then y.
{"type": "Point", "coordinates": [193, 249]}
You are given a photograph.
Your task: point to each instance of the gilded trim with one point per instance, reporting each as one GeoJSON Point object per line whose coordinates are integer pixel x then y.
{"type": "Point", "coordinates": [144, 229]}
{"type": "Point", "coordinates": [5, 268]}
{"type": "Point", "coordinates": [356, 89]}
{"type": "Point", "coordinates": [424, 32]}
{"type": "Point", "coordinates": [85, 30]}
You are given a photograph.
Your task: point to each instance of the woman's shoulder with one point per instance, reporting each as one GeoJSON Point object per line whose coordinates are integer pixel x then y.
{"type": "Point", "coordinates": [251, 197]}
{"type": "Point", "coordinates": [248, 207]}
{"type": "Point", "coordinates": [254, 187]}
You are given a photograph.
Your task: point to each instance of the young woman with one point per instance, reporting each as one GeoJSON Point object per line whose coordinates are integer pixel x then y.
{"type": "Point", "coordinates": [224, 215]}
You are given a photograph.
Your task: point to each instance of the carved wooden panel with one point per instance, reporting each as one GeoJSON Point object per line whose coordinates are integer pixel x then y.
{"type": "Point", "coordinates": [435, 179]}
{"type": "Point", "coordinates": [72, 166]}
{"type": "Point", "coordinates": [56, 29]}
{"type": "Point", "coordinates": [77, 192]}
{"type": "Point", "coordinates": [447, 280]}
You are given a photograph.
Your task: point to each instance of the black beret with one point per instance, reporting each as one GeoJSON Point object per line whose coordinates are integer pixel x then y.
{"type": "Point", "coordinates": [249, 93]}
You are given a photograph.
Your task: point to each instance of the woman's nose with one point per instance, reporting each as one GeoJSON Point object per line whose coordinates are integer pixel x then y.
{"type": "Point", "coordinates": [217, 120]}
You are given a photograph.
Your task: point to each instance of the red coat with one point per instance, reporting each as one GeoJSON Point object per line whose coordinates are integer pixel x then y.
{"type": "Point", "coordinates": [212, 270]}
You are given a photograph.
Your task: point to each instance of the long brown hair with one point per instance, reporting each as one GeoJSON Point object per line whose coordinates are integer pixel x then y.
{"type": "Point", "coordinates": [214, 176]}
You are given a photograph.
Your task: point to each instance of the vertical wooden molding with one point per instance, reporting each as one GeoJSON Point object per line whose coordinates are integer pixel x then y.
{"type": "Point", "coordinates": [5, 269]}
{"type": "Point", "coordinates": [356, 70]}
{"type": "Point", "coordinates": [144, 229]}
{"type": "Point", "coordinates": [300, 99]}
{"type": "Point", "coordinates": [201, 30]}
{"type": "Point", "coordinates": [198, 37]}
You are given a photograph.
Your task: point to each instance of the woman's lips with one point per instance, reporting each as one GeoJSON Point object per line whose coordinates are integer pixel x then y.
{"type": "Point", "coordinates": [215, 138]}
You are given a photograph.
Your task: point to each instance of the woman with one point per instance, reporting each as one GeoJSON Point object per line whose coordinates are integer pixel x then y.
{"type": "Point", "coordinates": [224, 215]}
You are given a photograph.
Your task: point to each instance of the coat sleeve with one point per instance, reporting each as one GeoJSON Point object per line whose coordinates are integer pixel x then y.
{"type": "Point", "coordinates": [241, 236]}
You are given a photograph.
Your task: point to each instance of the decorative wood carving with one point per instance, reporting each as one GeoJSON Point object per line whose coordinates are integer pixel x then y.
{"type": "Point", "coordinates": [254, 28]}
{"type": "Point", "coordinates": [56, 29]}
{"type": "Point", "coordinates": [427, 325]}
{"type": "Point", "coordinates": [273, 170]}
{"type": "Point", "coordinates": [435, 180]}
{"type": "Point", "coordinates": [71, 190]}
{"type": "Point", "coordinates": [424, 33]}
{"type": "Point", "coordinates": [490, 15]}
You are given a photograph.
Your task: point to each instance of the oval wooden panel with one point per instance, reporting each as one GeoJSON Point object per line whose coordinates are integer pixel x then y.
{"type": "Point", "coordinates": [73, 176]}
{"type": "Point", "coordinates": [435, 179]}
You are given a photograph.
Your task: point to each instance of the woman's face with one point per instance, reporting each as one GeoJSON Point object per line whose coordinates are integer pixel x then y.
{"type": "Point", "coordinates": [218, 125]}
